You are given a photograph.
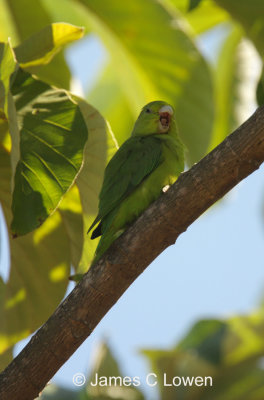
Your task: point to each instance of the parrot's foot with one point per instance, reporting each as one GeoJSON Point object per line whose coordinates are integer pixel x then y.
{"type": "Point", "coordinates": [118, 233]}
{"type": "Point", "coordinates": [165, 188]}
{"type": "Point", "coordinates": [76, 277]}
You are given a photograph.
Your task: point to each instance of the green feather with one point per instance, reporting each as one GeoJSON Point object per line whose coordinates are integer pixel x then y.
{"type": "Point", "coordinates": [135, 176]}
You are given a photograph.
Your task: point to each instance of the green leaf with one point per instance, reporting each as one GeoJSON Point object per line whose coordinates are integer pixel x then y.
{"type": "Point", "coordinates": [227, 352]}
{"type": "Point", "coordinates": [109, 97]}
{"type": "Point", "coordinates": [193, 4]}
{"type": "Point", "coordinates": [79, 207]}
{"type": "Point", "coordinates": [53, 392]}
{"type": "Point", "coordinates": [260, 90]}
{"type": "Point", "coordinates": [206, 16]}
{"type": "Point", "coordinates": [40, 266]}
{"type": "Point", "coordinates": [42, 46]}
{"type": "Point", "coordinates": [71, 12]}
{"type": "Point", "coordinates": [7, 29]}
{"type": "Point", "coordinates": [207, 339]}
{"type": "Point", "coordinates": [201, 18]}
{"type": "Point", "coordinates": [250, 15]}
{"type": "Point", "coordinates": [53, 134]}
{"type": "Point", "coordinates": [155, 61]}
{"type": "Point", "coordinates": [100, 147]}
{"type": "Point", "coordinates": [71, 211]}
{"type": "Point", "coordinates": [234, 74]}
{"type": "Point", "coordinates": [25, 18]}
{"type": "Point", "coordinates": [158, 60]}
{"type": "Point", "coordinates": [5, 358]}
{"type": "Point", "coordinates": [8, 67]}
{"type": "Point", "coordinates": [105, 365]}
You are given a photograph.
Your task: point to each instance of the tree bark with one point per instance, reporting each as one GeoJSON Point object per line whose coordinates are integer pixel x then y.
{"type": "Point", "coordinates": [157, 228]}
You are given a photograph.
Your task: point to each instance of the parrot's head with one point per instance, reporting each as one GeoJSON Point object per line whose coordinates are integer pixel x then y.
{"type": "Point", "coordinates": [155, 118]}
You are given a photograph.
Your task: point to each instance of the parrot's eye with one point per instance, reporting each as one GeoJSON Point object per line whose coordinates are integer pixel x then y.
{"type": "Point", "coordinates": [148, 110]}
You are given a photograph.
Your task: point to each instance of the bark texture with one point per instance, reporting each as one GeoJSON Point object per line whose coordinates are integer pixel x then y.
{"type": "Point", "coordinates": [158, 227]}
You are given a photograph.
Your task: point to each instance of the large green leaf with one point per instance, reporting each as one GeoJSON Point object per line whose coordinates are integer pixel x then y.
{"type": "Point", "coordinates": [8, 119]}
{"type": "Point", "coordinates": [80, 205]}
{"type": "Point", "coordinates": [100, 147]}
{"type": "Point", "coordinates": [158, 60]}
{"type": "Point", "coordinates": [109, 96]}
{"type": "Point", "coordinates": [154, 58]}
{"type": "Point", "coordinates": [7, 68]}
{"type": "Point", "coordinates": [53, 134]}
{"type": "Point", "coordinates": [71, 211]}
{"type": "Point", "coordinates": [42, 46]}
{"type": "Point", "coordinates": [251, 16]}
{"type": "Point", "coordinates": [235, 84]}
{"type": "Point", "coordinates": [53, 392]}
{"type": "Point", "coordinates": [69, 11]}
{"type": "Point", "coordinates": [201, 15]}
{"type": "Point", "coordinates": [229, 81]}
{"type": "Point", "coordinates": [206, 338]}
{"type": "Point", "coordinates": [40, 265]}
{"type": "Point", "coordinates": [227, 352]}
{"type": "Point", "coordinates": [5, 358]}
{"type": "Point", "coordinates": [7, 28]}
{"type": "Point", "coordinates": [26, 17]}
{"type": "Point", "coordinates": [206, 16]}
{"type": "Point", "coordinates": [105, 365]}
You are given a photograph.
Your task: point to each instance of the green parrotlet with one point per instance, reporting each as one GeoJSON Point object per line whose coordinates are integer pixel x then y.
{"type": "Point", "coordinates": [151, 159]}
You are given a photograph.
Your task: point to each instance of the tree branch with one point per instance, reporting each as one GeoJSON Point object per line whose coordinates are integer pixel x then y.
{"type": "Point", "coordinates": [158, 227]}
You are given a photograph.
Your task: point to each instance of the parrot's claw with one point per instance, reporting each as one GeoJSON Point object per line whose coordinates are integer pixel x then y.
{"type": "Point", "coordinates": [165, 188]}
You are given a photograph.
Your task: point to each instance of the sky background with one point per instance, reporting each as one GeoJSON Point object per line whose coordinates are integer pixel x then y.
{"type": "Point", "coordinates": [214, 270]}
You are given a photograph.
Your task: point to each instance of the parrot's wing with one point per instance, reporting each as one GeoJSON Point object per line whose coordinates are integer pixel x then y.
{"type": "Point", "coordinates": [133, 162]}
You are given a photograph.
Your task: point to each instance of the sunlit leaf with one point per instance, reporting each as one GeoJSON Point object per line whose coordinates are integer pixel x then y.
{"type": "Point", "coordinates": [53, 134]}
{"type": "Point", "coordinates": [260, 90]}
{"type": "Point", "coordinates": [40, 266]}
{"type": "Point", "coordinates": [53, 392]}
{"type": "Point", "coordinates": [251, 16]}
{"type": "Point", "coordinates": [105, 365]}
{"type": "Point", "coordinates": [8, 118]}
{"type": "Point", "coordinates": [158, 60]}
{"type": "Point", "coordinates": [7, 68]}
{"type": "Point", "coordinates": [100, 147]}
{"type": "Point", "coordinates": [26, 17]}
{"type": "Point", "coordinates": [226, 354]}
{"type": "Point", "coordinates": [80, 205]}
{"type": "Point", "coordinates": [235, 72]}
{"type": "Point", "coordinates": [71, 12]}
{"type": "Point", "coordinates": [72, 215]}
{"type": "Point", "coordinates": [109, 97]}
{"type": "Point", "coordinates": [193, 4]}
{"type": "Point", "coordinates": [206, 338]}
{"type": "Point", "coordinates": [206, 16]}
{"type": "Point", "coordinates": [154, 58]}
{"type": "Point", "coordinates": [5, 358]}
{"type": "Point", "coordinates": [7, 28]}
{"type": "Point", "coordinates": [42, 46]}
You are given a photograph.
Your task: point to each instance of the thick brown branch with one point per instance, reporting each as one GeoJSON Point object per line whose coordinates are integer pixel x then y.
{"type": "Point", "coordinates": [160, 225]}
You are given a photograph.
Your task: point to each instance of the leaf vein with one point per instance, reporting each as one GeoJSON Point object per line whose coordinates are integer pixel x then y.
{"type": "Point", "coordinates": [51, 148]}
{"type": "Point", "coordinates": [34, 172]}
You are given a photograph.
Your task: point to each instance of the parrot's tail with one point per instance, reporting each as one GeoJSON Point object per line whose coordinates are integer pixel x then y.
{"type": "Point", "coordinates": [105, 242]}
{"type": "Point", "coordinates": [97, 232]}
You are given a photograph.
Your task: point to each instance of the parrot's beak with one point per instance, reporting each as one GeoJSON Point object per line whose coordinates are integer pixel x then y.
{"type": "Point", "coordinates": [165, 113]}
